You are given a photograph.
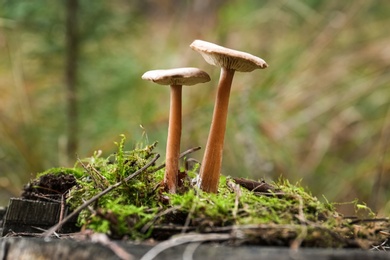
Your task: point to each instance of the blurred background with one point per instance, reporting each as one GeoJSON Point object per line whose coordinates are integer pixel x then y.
{"type": "Point", "coordinates": [70, 84]}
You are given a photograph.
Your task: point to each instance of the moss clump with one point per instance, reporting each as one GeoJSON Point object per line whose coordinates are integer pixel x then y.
{"type": "Point", "coordinates": [290, 206]}
{"type": "Point", "coordinates": [126, 208]}
{"type": "Point", "coordinates": [62, 171]}
{"type": "Point", "coordinates": [139, 208]}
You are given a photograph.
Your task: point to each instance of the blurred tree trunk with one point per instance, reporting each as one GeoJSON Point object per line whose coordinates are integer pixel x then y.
{"type": "Point", "coordinates": [72, 44]}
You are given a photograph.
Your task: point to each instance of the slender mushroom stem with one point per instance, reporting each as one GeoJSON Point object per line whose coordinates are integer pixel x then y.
{"type": "Point", "coordinates": [173, 142]}
{"type": "Point", "coordinates": [229, 61]}
{"type": "Point", "coordinates": [175, 78]}
{"type": "Point", "coordinates": [212, 159]}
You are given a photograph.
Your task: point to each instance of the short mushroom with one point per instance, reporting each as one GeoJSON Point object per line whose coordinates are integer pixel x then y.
{"type": "Point", "coordinates": [230, 61]}
{"type": "Point", "coordinates": [176, 78]}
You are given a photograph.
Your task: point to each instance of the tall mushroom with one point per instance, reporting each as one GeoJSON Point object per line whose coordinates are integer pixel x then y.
{"type": "Point", "coordinates": [230, 61]}
{"type": "Point", "coordinates": [176, 78]}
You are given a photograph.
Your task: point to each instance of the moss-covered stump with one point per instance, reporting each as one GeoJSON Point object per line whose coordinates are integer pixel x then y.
{"type": "Point", "coordinates": [247, 212]}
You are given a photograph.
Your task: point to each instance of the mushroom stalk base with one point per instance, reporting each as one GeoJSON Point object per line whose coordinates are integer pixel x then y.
{"type": "Point", "coordinates": [212, 159]}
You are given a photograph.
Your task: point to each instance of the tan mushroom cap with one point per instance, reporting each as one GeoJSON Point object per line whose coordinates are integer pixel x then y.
{"type": "Point", "coordinates": [227, 58]}
{"type": "Point", "coordinates": [179, 76]}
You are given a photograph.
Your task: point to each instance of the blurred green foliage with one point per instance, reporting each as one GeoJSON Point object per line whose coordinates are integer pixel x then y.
{"type": "Point", "coordinates": [320, 112]}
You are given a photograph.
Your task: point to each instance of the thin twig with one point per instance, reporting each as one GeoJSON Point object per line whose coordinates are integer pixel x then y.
{"type": "Point", "coordinates": [183, 154]}
{"type": "Point", "coordinates": [46, 198]}
{"type": "Point", "coordinates": [189, 216]}
{"type": "Point", "coordinates": [50, 231]}
{"type": "Point", "coordinates": [367, 220]}
{"type": "Point", "coordinates": [100, 176]}
{"type": "Point", "coordinates": [188, 161]}
{"type": "Point", "coordinates": [63, 204]}
{"type": "Point", "coordinates": [189, 151]}
{"type": "Point", "coordinates": [190, 250]}
{"type": "Point", "coordinates": [150, 223]}
{"type": "Point", "coordinates": [183, 239]}
{"type": "Point", "coordinates": [117, 249]}
{"type": "Point", "coordinates": [302, 235]}
{"type": "Point", "coordinates": [237, 190]}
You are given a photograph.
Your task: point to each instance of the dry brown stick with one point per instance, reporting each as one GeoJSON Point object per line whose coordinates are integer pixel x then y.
{"type": "Point", "coordinates": [189, 151]}
{"type": "Point", "coordinates": [53, 229]}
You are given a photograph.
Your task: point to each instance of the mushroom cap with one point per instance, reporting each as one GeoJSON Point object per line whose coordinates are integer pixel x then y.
{"type": "Point", "coordinates": [227, 58]}
{"type": "Point", "coordinates": [179, 76]}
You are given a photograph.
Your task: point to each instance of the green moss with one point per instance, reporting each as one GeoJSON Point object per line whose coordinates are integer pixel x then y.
{"type": "Point", "coordinates": [228, 207]}
{"type": "Point", "coordinates": [138, 206]}
{"type": "Point", "coordinates": [62, 170]}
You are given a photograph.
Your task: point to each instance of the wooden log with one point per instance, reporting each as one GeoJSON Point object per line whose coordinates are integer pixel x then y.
{"type": "Point", "coordinates": [68, 249]}
{"type": "Point", "coordinates": [38, 248]}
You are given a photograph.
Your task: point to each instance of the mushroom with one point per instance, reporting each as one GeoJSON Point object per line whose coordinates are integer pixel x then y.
{"type": "Point", "coordinates": [176, 78]}
{"type": "Point", "coordinates": [230, 61]}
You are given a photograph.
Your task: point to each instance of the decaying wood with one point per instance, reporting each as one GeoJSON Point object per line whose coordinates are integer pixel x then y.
{"type": "Point", "coordinates": [38, 248]}
{"type": "Point", "coordinates": [31, 216]}
{"type": "Point", "coordinates": [255, 186]}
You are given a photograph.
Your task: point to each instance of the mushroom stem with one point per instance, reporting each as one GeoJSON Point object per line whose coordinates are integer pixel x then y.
{"type": "Point", "coordinates": [175, 78]}
{"type": "Point", "coordinates": [212, 159]}
{"type": "Point", "coordinates": [173, 142]}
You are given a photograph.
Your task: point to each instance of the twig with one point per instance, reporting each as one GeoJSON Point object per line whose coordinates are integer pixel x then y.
{"type": "Point", "coordinates": [269, 194]}
{"type": "Point", "coordinates": [357, 221]}
{"type": "Point", "coordinates": [189, 151]}
{"type": "Point", "coordinates": [63, 204]}
{"type": "Point", "coordinates": [237, 190]}
{"type": "Point", "coordinates": [188, 161]}
{"type": "Point", "coordinates": [382, 247]}
{"type": "Point", "coordinates": [118, 250]}
{"type": "Point", "coordinates": [183, 239]}
{"type": "Point", "coordinates": [190, 250]}
{"type": "Point", "coordinates": [50, 231]}
{"type": "Point", "coordinates": [46, 198]}
{"type": "Point", "coordinates": [302, 235]}
{"type": "Point", "coordinates": [189, 216]}
{"type": "Point", "coordinates": [183, 154]}
{"type": "Point", "coordinates": [99, 176]}
{"type": "Point", "coordinates": [150, 223]}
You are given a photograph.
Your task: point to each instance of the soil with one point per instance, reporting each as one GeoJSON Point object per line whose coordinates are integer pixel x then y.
{"type": "Point", "coordinates": [49, 187]}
